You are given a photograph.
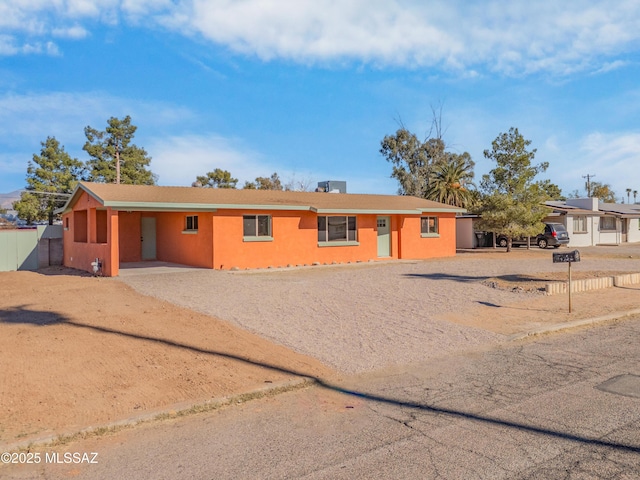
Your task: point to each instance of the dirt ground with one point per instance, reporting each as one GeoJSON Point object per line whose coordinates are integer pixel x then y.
{"type": "Point", "coordinates": [78, 351]}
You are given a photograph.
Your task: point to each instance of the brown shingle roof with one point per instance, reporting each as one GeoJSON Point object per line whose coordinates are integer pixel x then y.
{"type": "Point", "coordinates": [133, 197]}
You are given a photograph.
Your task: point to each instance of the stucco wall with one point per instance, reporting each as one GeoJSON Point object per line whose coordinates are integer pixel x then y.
{"type": "Point", "coordinates": [295, 241]}
{"type": "Point", "coordinates": [99, 227]}
{"type": "Point", "coordinates": [634, 230]}
{"type": "Point", "coordinates": [174, 244]}
{"type": "Point", "coordinates": [129, 236]}
{"type": "Point", "coordinates": [414, 246]}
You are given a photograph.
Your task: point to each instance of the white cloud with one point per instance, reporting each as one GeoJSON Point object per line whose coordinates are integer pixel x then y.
{"type": "Point", "coordinates": [75, 32]}
{"type": "Point", "coordinates": [178, 160]}
{"type": "Point", "coordinates": [519, 37]}
{"type": "Point", "coordinates": [7, 45]}
{"type": "Point", "coordinates": [26, 121]}
{"type": "Point", "coordinates": [610, 66]}
{"type": "Point", "coordinates": [620, 152]}
{"type": "Point", "coordinates": [29, 116]}
{"type": "Point", "coordinates": [614, 158]}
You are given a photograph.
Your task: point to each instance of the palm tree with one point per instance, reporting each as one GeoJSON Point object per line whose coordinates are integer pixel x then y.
{"type": "Point", "coordinates": [635, 193]}
{"type": "Point", "coordinates": [449, 181]}
{"type": "Point", "coordinates": [628, 193]}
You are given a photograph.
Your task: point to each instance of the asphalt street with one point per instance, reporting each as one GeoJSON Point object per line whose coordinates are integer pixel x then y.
{"type": "Point", "coordinates": [565, 405]}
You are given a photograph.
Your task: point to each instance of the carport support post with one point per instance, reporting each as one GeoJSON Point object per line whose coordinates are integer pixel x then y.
{"type": "Point", "coordinates": [569, 287]}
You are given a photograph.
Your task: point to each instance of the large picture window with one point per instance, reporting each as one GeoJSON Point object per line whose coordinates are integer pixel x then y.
{"type": "Point", "coordinates": [254, 226]}
{"type": "Point", "coordinates": [337, 229]}
{"type": "Point", "coordinates": [429, 225]}
{"type": "Point", "coordinates": [607, 223]}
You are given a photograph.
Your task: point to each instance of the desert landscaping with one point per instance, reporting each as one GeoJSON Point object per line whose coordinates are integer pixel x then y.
{"type": "Point", "coordinates": [83, 352]}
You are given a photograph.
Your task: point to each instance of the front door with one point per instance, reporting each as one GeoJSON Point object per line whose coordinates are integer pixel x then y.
{"type": "Point", "coordinates": [148, 237]}
{"type": "Point", "coordinates": [625, 229]}
{"type": "Point", "coordinates": [384, 236]}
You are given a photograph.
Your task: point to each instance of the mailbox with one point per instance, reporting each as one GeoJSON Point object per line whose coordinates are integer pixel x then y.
{"type": "Point", "coordinates": [567, 257]}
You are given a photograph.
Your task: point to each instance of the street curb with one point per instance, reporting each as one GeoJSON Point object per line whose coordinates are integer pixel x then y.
{"type": "Point", "coordinates": [174, 411]}
{"type": "Point", "coordinates": [575, 324]}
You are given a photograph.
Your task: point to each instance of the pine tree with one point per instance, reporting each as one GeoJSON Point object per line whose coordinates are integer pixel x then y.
{"type": "Point", "coordinates": [114, 159]}
{"type": "Point", "coordinates": [51, 177]}
{"type": "Point", "coordinates": [512, 203]}
{"type": "Point", "coordinates": [217, 179]}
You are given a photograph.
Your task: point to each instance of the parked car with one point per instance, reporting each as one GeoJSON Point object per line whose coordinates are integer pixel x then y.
{"type": "Point", "coordinates": [554, 235]}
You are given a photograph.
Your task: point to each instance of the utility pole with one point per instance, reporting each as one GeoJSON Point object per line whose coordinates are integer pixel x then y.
{"type": "Point", "coordinates": [588, 177]}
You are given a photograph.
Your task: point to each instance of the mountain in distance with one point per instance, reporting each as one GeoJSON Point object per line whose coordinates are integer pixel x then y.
{"type": "Point", "coordinates": [7, 199]}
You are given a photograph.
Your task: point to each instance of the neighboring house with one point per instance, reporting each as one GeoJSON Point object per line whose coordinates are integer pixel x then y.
{"type": "Point", "coordinates": [590, 222]}
{"type": "Point", "coordinates": [467, 234]}
{"type": "Point", "coordinates": [229, 228]}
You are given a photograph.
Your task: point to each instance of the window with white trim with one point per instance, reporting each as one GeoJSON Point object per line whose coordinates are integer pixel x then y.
{"type": "Point", "coordinates": [191, 223]}
{"type": "Point", "coordinates": [254, 226]}
{"type": "Point", "coordinates": [580, 224]}
{"type": "Point", "coordinates": [608, 223]}
{"type": "Point", "coordinates": [337, 229]}
{"type": "Point", "coordinates": [429, 225]}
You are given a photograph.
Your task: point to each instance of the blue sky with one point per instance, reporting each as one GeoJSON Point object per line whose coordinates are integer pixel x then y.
{"type": "Point", "coordinates": [308, 88]}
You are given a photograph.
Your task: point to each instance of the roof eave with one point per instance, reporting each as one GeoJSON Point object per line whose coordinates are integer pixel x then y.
{"type": "Point", "coordinates": [74, 198]}
{"type": "Point", "coordinates": [391, 211]}
{"type": "Point", "coordinates": [201, 207]}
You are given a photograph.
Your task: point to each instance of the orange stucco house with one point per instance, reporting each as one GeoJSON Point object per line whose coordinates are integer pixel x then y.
{"type": "Point", "coordinates": [228, 228]}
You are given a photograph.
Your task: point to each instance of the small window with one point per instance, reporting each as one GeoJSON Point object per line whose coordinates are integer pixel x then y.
{"type": "Point", "coordinates": [256, 226]}
{"type": "Point", "coordinates": [429, 225]}
{"type": "Point", "coordinates": [608, 223]}
{"type": "Point", "coordinates": [337, 229]}
{"type": "Point", "coordinates": [580, 224]}
{"type": "Point", "coordinates": [191, 223]}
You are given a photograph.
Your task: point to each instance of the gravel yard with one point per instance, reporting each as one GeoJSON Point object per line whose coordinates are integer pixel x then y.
{"type": "Point", "coordinates": [368, 316]}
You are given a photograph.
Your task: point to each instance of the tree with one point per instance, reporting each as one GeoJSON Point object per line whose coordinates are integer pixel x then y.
{"type": "Point", "coordinates": [412, 160]}
{"type": "Point", "coordinates": [552, 191]}
{"type": "Point", "coordinates": [512, 203]}
{"type": "Point", "coordinates": [603, 192]}
{"type": "Point", "coordinates": [114, 159]}
{"type": "Point", "coordinates": [450, 180]}
{"type": "Point", "coordinates": [635, 194]}
{"type": "Point", "coordinates": [416, 164]}
{"type": "Point", "coordinates": [51, 177]}
{"type": "Point", "coordinates": [296, 184]}
{"type": "Point", "coordinates": [28, 208]}
{"type": "Point", "coordinates": [217, 179]}
{"type": "Point", "coordinates": [628, 195]}
{"type": "Point", "coordinates": [574, 194]}
{"type": "Point", "coordinates": [265, 183]}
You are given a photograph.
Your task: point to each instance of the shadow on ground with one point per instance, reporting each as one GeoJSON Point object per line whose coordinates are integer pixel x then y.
{"type": "Point", "coordinates": [24, 315]}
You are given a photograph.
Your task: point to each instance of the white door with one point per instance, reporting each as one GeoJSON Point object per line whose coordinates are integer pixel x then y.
{"type": "Point", "coordinates": [148, 234]}
{"type": "Point", "coordinates": [384, 236]}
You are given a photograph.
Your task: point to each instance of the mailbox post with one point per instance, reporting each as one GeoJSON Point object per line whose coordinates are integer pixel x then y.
{"type": "Point", "coordinates": [568, 257]}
